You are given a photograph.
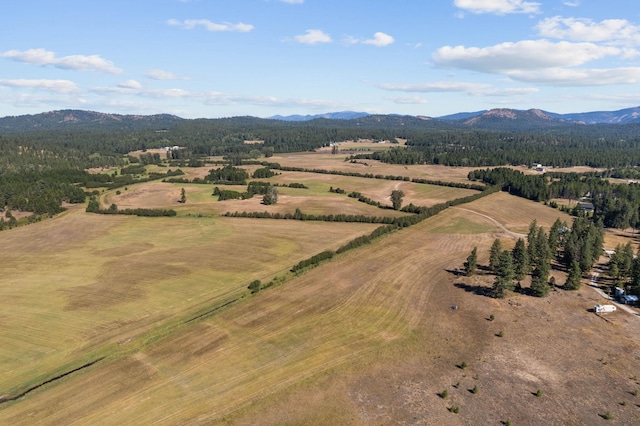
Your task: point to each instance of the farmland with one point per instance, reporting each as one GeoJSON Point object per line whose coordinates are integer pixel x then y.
{"type": "Point", "coordinates": [366, 338]}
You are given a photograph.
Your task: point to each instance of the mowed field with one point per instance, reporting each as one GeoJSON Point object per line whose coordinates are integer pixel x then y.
{"type": "Point", "coordinates": [367, 338]}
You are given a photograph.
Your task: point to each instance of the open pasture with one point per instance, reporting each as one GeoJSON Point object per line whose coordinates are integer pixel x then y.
{"type": "Point", "coordinates": [78, 283]}
{"type": "Point", "coordinates": [371, 338]}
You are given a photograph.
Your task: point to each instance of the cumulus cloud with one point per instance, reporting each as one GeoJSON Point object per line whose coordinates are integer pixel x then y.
{"type": "Point", "coordinates": [526, 54]}
{"type": "Point", "coordinates": [190, 24]}
{"type": "Point", "coordinates": [313, 37]}
{"type": "Point", "coordinates": [44, 57]}
{"type": "Point", "coordinates": [163, 75]}
{"type": "Point", "coordinates": [576, 29]}
{"type": "Point", "coordinates": [498, 7]}
{"type": "Point", "coordinates": [380, 39]}
{"type": "Point", "coordinates": [56, 86]}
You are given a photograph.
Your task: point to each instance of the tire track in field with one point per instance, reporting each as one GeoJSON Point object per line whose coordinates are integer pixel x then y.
{"type": "Point", "coordinates": [514, 235]}
{"type": "Point", "coordinates": [399, 314]}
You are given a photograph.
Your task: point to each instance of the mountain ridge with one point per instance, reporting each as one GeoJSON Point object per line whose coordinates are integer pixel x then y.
{"type": "Point", "coordinates": [498, 118]}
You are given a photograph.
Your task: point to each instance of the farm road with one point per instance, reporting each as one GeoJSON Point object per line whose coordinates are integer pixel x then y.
{"type": "Point", "coordinates": [515, 235]}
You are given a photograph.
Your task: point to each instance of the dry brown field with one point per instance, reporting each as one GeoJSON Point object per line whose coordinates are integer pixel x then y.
{"type": "Point", "coordinates": [367, 338]}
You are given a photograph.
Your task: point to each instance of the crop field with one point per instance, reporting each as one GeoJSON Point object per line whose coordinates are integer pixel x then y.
{"type": "Point", "coordinates": [155, 314]}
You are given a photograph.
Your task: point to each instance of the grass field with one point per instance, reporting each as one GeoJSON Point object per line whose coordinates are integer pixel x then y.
{"type": "Point", "coordinates": [367, 338]}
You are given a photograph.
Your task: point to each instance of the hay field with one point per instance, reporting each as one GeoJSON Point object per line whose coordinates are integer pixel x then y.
{"type": "Point", "coordinates": [368, 338]}
{"type": "Point", "coordinates": [81, 282]}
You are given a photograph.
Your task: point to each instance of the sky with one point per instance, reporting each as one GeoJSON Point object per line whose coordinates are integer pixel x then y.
{"type": "Point", "coordinates": [224, 58]}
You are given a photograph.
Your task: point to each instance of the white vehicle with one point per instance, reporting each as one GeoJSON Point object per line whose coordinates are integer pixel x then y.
{"type": "Point", "coordinates": [599, 309]}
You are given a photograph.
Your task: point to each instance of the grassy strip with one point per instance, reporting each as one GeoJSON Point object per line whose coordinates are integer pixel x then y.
{"type": "Point", "coordinates": [46, 382]}
{"type": "Point", "coordinates": [372, 176]}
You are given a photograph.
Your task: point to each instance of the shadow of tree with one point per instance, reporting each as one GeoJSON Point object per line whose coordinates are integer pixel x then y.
{"type": "Point", "coordinates": [475, 289]}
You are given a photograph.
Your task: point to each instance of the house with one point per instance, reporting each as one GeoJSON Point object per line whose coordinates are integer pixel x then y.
{"type": "Point", "coordinates": [586, 207]}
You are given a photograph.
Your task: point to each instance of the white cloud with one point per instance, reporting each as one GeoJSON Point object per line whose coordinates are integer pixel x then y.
{"type": "Point", "coordinates": [498, 7]}
{"type": "Point", "coordinates": [292, 1]}
{"type": "Point", "coordinates": [576, 29]}
{"type": "Point", "coordinates": [473, 89]}
{"type": "Point", "coordinates": [579, 77]}
{"type": "Point", "coordinates": [56, 86]}
{"type": "Point", "coordinates": [190, 24]}
{"type": "Point", "coordinates": [43, 57]}
{"type": "Point", "coordinates": [130, 84]}
{"type": "Point", "coordinates": [526, 54]}
{"type": "Point", "coordinates": [380, 39]}
{"type": "Point", "coordinates": [163, 75]}
{"type": "Point", "coordinates": [408, 100]}
{"type": "Point", "coordinates": [439, 86]}
{"type": "Point", "coordinates": [313, 37]}
{"type": "Point", "coordinates": [572, 3]}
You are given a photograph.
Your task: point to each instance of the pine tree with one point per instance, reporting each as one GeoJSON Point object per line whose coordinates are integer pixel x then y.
{"type": "Point", "coordinates": [520, 260]}
{"type": "Point", "coordinates": [183, 196]}
{"type": "Point", "coordinates": [472, 262]}
{"type": "Point", "coordinates": [573, 279]}
{"type": "Point", "coordinates": [504, 275]}
{"type": "Point", "coordinates": [494, 254]}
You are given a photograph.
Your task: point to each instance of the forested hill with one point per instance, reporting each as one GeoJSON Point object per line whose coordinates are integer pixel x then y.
{"type": "Point", "coordinates": [85, 120]}
{"type": "Point", "coordinates": [502, 119]}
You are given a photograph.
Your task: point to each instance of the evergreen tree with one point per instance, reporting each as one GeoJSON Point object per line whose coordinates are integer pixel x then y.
{"type": "Point", "coordinates": [183, 196]}
{"type": "Point", "coordinates": [472, 262]}
{"type": "Point", "coordinates": [494, 254]}
{"type": "Point", "coordinates": [531, 241]}
{"type": "Point", "coordinates": [554, 236]}
{"type": "Point", "coordinates": [540, 280]}
{"type": "Point", "coordinates": [520, 260]}
{"type": "Point", "coordinates": [504, 275]}
{"type": "Point", "coordinates": [396, 199]}
{"type": "Point", "coordinates": [573, 279]}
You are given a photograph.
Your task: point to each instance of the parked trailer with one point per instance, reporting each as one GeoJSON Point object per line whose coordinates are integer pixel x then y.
{"type": "Point", "coordinates": [599, 309]}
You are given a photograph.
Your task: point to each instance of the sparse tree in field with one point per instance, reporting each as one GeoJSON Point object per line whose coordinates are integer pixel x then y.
{"type": "Point", "coordinates": [254, 286]}
{"type": "Point", "coordinates": [396, 199]}
{"type": "Point", "coordinates": [271, 196]}
{"type": "Point", "coordinates": [183, 196]}
{"type": "Point", "coordinates": [540, 279]}
{"type": "Point", "coordinates": [520, 260]}
{"type": "Point", "coordinates": [504, 275]}
{"type": "Point", "coordinates": [531, 241]}
{"type": "Point", "coordinates": [472, 262]}
{"type": "Point", "coordinates": [494, 254]}
{"type": "Point", "coordinates": [573, 279]}
{"type": "Point", "coordinates": [554, 236]}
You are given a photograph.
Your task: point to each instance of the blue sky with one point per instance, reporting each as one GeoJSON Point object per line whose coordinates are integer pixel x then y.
{"type": "Point", "coordinates": [221, 58]}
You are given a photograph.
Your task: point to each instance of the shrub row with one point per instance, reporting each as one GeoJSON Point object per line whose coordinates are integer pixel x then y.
{"type": "Point", "coordinates": [277, 166]}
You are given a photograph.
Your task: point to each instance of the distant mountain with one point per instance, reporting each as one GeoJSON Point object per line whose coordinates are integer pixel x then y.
{"type": "Point", "coordinates": [461, 115]}
{"type": "Point", "coordinates": [512, 119]}
{"type": "Point", "coordinates": [622, 116]}
{"type": "Point", "coordinates": [502, 119]}
{"type": "Point", "coordinates": [343, 115]}
{"type": "Point", "coordinates": [78, 119]}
